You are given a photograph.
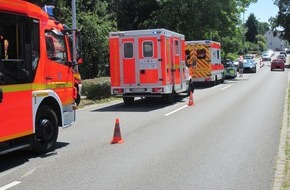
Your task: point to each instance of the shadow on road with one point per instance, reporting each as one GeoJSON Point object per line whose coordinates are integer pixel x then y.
{"type": "Point", "coordinates": [17, 158]}
{"type": "Point", "coordinates": [141, 105]}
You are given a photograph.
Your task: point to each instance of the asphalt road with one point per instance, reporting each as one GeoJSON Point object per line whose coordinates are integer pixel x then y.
{"type": "Point", "coordinates": [228, 140]}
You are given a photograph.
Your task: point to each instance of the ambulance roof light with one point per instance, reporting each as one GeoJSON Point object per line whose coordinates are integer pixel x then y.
{"type": "Point", "coordinates": [156, 32]}
{"type": "Point", "coordinates": [48, 9]}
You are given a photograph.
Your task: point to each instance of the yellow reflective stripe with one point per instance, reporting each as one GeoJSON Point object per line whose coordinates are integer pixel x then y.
{"type": "Point", "coordinates": [37, 86]}
{"type": "Point", "coordinates": [54, 85]}
{"type": "Point", "coordinates": [40, 94]}
{"type": "Point", "coordinates": [16, 87]}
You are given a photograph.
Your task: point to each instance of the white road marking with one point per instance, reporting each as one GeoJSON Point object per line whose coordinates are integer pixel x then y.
{"type": "Point", "coordinates": [175, 110]}
{"type": "Point", "coordinates": [226, 87]}
{"type": "Point", "coordinates": [8, 186]}
{"type": "Point", "coordinates": [29, 173]}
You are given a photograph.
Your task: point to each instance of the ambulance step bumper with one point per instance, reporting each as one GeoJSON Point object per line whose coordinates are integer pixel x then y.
{"type": "Point", "coordinates": [142, 95]}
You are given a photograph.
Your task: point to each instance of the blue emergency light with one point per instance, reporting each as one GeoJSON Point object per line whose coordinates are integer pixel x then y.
{"type": "Point", "coordinates": [48, 9]}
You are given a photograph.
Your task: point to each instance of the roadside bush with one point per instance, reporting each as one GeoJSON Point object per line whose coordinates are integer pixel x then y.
{"type": "Point", "coordinates": [97, 88]}
{"type": "Point", "coordinates": [232, 56]}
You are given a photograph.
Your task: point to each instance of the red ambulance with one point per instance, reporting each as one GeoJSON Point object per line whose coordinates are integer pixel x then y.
{"type": "Point", "coordinates": [148, 63]}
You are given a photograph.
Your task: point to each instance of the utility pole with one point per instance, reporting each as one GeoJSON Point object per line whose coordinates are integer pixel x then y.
{"type": "Point", "coordinates": [74, 28]}
{"type": "Point", "coordinates": [258, 36]}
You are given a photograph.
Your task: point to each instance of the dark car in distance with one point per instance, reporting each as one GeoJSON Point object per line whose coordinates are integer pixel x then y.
{"type": "Point", "coordinates": [249, 66]}
{"type": "Point", "coordinates": [277, 64]}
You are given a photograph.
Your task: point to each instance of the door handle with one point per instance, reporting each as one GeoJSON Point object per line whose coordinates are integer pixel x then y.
{"type": "Point", "coordinates": [49, 78]}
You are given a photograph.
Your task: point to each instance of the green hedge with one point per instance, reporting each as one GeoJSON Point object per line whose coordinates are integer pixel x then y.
{"type": "Point", "coordinates": [97, 88]}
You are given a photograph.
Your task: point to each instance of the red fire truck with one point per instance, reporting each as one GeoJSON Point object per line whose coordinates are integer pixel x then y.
{"type": "Point", "coordinates": [37, 93]}
{"type": "Point", "coordinates": [147, 63]}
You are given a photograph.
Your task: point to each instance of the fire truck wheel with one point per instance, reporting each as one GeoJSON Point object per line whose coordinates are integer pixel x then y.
{"type": "Point", "coordinates": [128, 100]}
{"type": "Point", "coordinates": [78, 99]}
{"type": "Point", "coordinates": [46, 130]}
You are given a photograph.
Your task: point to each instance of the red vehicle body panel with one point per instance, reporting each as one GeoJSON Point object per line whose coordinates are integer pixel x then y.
{"type": "Point", "coordinates": [278, 64]}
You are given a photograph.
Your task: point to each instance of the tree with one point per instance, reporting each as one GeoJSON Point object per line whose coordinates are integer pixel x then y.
{"type": "Point", "coordinates": [252, 25]}
{"type": "Point", "coordinates": [95, 23]}
{"type": "Point", "coordinates": [132, 14]}
{"type": "Point", "coordinates": [282, 19]}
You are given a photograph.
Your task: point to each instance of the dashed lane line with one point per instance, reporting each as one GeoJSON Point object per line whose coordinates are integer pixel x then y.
{"type": "Point", "coordinates": [175, 110]}
{"type": "Point", "coordinates": [10, 185]}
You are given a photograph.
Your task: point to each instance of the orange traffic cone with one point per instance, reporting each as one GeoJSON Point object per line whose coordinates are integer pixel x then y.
{"type": "Point", "coordinates": [117, 134]}
{"type": "Point", "coordinates": [191, 102]}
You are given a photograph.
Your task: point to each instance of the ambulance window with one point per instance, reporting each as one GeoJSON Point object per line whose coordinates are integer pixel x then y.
{"type": "Point", "coordinates": [128, 50]}
{"type": "Point", "coordinates": [147, 49]}
{"type": "Point", "coordinates": [55, 46]}
{"type": "Point", "coordinates": [176, 44]}
{"type": "Point", "coordinates": [201, 53]}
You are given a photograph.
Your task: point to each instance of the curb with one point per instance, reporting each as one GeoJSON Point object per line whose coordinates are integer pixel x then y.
{"type": "Point", "coordinates": [281, 178]}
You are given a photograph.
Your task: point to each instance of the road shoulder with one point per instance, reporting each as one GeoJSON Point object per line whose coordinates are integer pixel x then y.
{"type": "Point", "coordinates": [282, 169]}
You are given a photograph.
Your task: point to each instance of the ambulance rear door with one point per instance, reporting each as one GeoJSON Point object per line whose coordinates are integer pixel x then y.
{"type": "Point", "coordinates": [139, 61]}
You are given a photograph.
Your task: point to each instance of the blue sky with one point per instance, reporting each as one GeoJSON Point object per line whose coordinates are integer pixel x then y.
{"type": "Point", "coordinates": [263, 9]}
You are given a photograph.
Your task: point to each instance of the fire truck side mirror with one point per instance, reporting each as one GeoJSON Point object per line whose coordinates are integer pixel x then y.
{"type": "Point", "coordinates": [1, 95]}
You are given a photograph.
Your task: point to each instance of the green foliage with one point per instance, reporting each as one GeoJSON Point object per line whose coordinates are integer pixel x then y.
{"type": "Point", "coordinates": [94, 22]}
{"type": "Point", "coordinates": [217, 20]}
{"type": "Point", "coordinates": [263, 27]}
{"type": "Point", "coordinates": [252, 26]}
{"type": "Point", "coordinates": [97, 88]}
{"type": "Point", "coordinates": [232, 56]}
{"type": "Point", "coordinates": [132, 14]}
{"type": "Point", "coordinates": [282, 19]}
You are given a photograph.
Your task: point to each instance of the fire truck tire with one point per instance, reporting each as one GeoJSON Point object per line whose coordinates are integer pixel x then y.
{"type": "Point", "coordinates": [78, 99]}
{"type": "Point", "coordinates": [128, 100]}
{"type": "Point", "coordinates": [46, 130]}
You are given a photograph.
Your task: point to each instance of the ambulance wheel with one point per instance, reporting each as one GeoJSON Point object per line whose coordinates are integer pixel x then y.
{"type": "Point", "coordinates": [128, 100]}
{"type": "Point", "coordinates": [169, 98]}
{"type": "Point", "coordinates": [46, 130]}
{"type": "Point", "coordinates": [214, 82]}
{"type": "Point", "coordinates": [223, 79]}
